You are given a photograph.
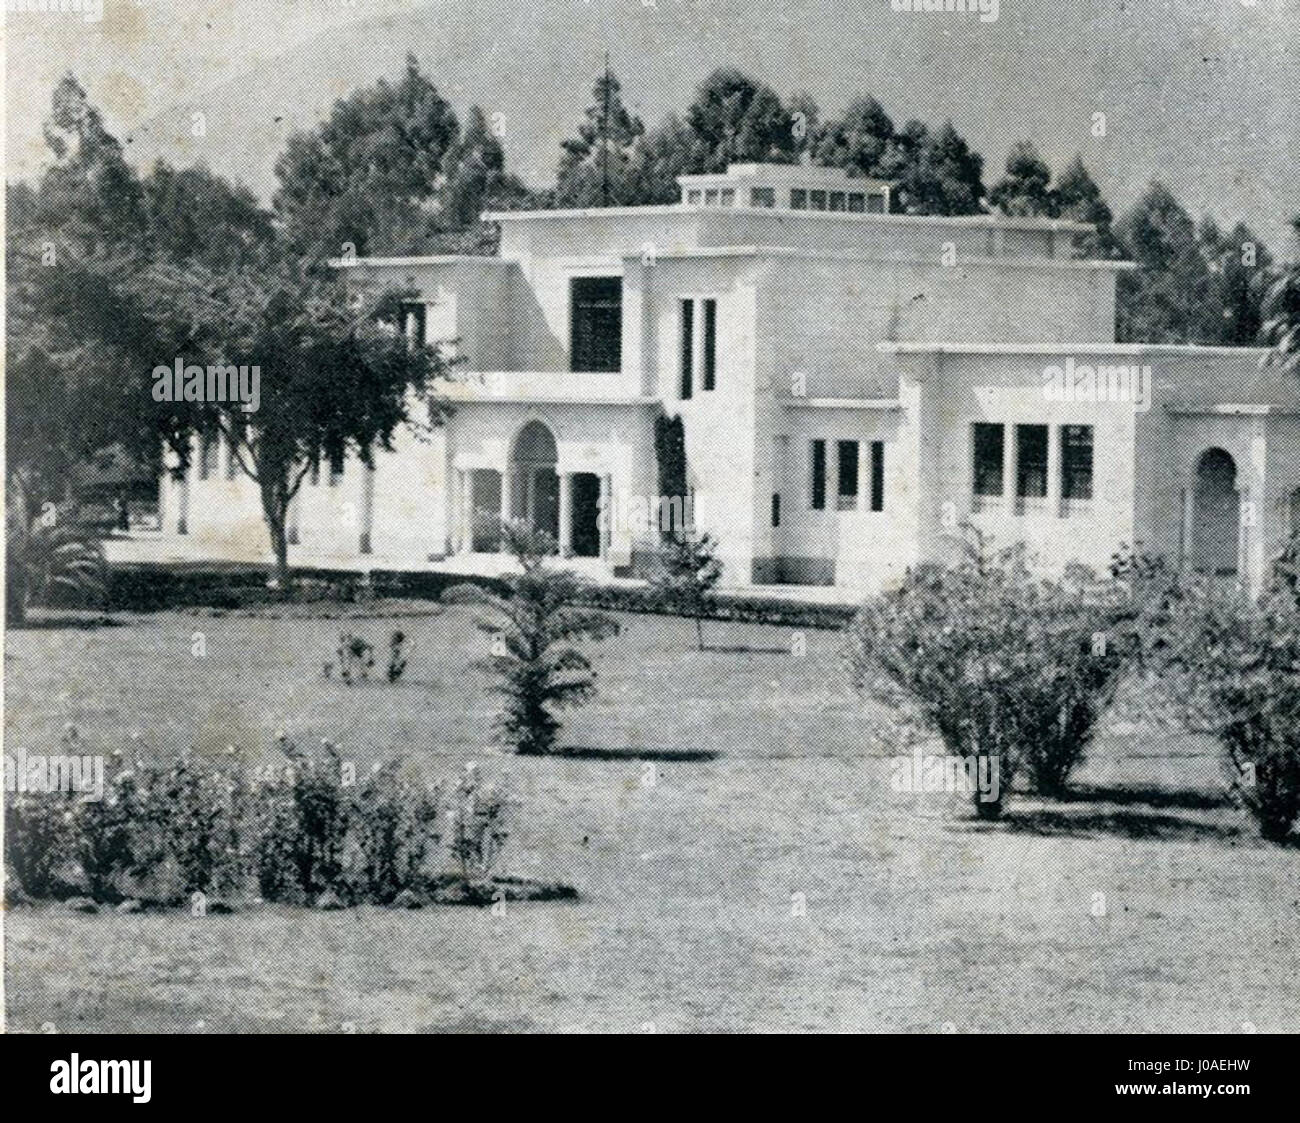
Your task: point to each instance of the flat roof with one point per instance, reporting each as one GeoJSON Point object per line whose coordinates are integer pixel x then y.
{"type": "Point", "coordinates": [894, 347]}
{"type": "Point", "coordinates": [987, 221]}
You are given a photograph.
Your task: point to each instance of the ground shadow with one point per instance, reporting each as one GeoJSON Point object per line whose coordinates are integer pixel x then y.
{"type": "Point", "coordinates": [582, 752]}
{"type": "Point", "coordinates": [58, 623]}
{"type": "Point", "coordinates": [1152, 797]}
{"type": "Point", "coordinates": [742, 649]}
{"type": "Point", "coordinates": [1126, 824]}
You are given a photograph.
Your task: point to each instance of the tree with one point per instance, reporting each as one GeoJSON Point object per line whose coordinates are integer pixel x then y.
{"type": "Point", "coordinates": [1078, 198]}
{"type": "Point", "coordinates": [688, 571]}
{"type": "Point", "coordinates": [666, 151]}
{"type": "Point", "coordinates": [596, 168]}
{"type": "Point", "coordinates": [475, 175]}
{"type": "Point", "coordinates": [1239, 263]}
{"type": "Point", "coordinates": [535, 623]}
{"type": "Point", "coordinates": [1165, 300]}
{"type": "Point", "coordinates": [369, 176]}
{"type": "Point", "coordinates": [1024, 191]}
{"type": "Point", "coordinates": [862, 141]}
{"type": "Point", "coordinates": [938, 173]}
{"type": "Point", "coordinates": [197, 216]}
{"type": "Point", "coordinates": [337, 376]}
{"type": "Point", "coordinates": [1281, 314]}
{"type": "Point", "coordinates": [739, 119]}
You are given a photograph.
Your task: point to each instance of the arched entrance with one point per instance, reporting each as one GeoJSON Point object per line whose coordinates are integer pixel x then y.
{"type": "Point", "coordinates": [1216, 515]}
{"type": "Point", "coordinates": [534, 489]}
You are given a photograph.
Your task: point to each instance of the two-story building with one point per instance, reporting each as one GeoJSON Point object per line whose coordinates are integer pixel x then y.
{"type": "Point", "coordinates": [851, 385]}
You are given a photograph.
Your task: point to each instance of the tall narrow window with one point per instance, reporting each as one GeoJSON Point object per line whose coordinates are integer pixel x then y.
{"type": "Point", "coordinates": [688, 348]}
{"type": "Point", "coordinates": [846, 476]}
{"type": "Point", "coordinates": [1031, 467]}
{"type": "Point", "coordinates": [877, 475]}
{"type": "Point", "coordinates": [1076, 467]}
{"type": "Point", "coordinates": [989, 454]}
{"type": "Point", "coordinates": [819, 475]}
{"type": "Point", "coordinates": [207, 455]}
{"type": "Point", "coordinates": [710, 343]}
{"type": "Point", "coordinates": [776, 508]}
{"type": "Point", "coordinates": [596, 320]}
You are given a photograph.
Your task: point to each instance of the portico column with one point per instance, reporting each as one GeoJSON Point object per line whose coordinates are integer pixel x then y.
{"type": "Point", "coordinates": [1189, 523]}
{"type": "Point", "coordinates": [566, 515]}
{"type": "Point", "coordinates": [606, 514]}
{"type": "Point", "coordinates": [506, 475]}
{"type": "Point", "coordinates": [467, 510]}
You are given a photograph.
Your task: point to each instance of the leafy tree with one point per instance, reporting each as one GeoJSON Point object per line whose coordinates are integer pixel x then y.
{"type": "Point", "coordinates": [369, 176]}
{"type": "Point", "coordinates": [1281, 314]}
{"type": "Point", "coordinates": [337, 377]}
{"type": "Point", "coordinates": [197, 216]}
{"type": "Point", "coordinates": [688, 571]}
{"type": "Point", "coordinates": [862, 141]}
{"type": "Point", "coordinates": [596, 168]}
{"type": "Point", "coordinates": [938, 173]}
{"type": "Point", "coordinates": [1165, 300]}
{"type": "Point", "coordinates": [1238, 262]}
{"type": "Point", "coordinates": [476, 177]}
{"type": "Point", "coordinates": [1078, 198]}
{"type": "Point", "coordinates": [1024, 191]}
{"type": "Point", "coordinates": [805, 125]}
{"type": "Point", "coordinates": [666, 151]}
{"type": "Point", "coordinates": [739, 119]}
{"type": "Point", "coordinates": [535, 624]}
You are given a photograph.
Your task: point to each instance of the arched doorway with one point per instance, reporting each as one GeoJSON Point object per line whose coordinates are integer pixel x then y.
{"type": "Point", "coordinates": [1216, 518]}
{"type": "Point", "coordinates": [534, 486]}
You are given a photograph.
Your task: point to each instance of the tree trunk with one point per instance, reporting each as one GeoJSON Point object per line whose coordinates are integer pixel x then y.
{"type": "Point", "coordinates": [699, 632]}
{"type": "Point", "coordinates": [275, 509]}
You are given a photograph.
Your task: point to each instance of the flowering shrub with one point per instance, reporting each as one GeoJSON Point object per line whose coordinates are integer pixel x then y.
{"type": "Point", "coordinates": [301, 830]}
{"type": "Point", "coordinates": [998, 663]}
{"type": "Point", "coordinates": [1231, 668]}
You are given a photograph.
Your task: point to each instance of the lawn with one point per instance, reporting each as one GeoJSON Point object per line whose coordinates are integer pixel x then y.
{"type": "Point", "coordinates": [917, 918]}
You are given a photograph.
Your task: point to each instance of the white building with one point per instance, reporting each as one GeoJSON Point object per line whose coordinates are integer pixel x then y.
{"type": "Point", "coordinates": [851, 385]}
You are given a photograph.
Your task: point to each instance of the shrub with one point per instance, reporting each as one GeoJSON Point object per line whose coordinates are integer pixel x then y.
{"type": "Point", "coordinates": [538, 671]}
{"type": "Point", "coordinates": [399, 651]}
{"type": "Point", "coordinates": [391, 836]}
{"type": "Point", "coordinates": [688, 571]}
{"type": "Point", "coordinates": [478, 823]}
{"type": "Point", "coordinates": [356, 657]}
{"type": "Point", "coordinates": [40, 839]}
{"type": "Point", "coordinates": [1231, 668]}
{"type": "Point", "coordinates": [1000, 664]}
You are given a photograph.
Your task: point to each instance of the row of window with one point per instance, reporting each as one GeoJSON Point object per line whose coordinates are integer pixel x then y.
{"type": "Point", "coordinates": [848, 482]}
{"type": "Point", "coordinates": [1030, 466]}
{"type": "Point", "coordinates": [801, 199]}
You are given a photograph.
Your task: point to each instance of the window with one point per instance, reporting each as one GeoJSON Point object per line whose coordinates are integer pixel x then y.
{"type": "Point", "coordinates": [415, 323]}
{"type": "Point", "coordinates": [776, 509]}
{"type": "Point", "coordinates": [1031, 467]}
{"type": "Point", "coordinates": [693, 197]}
{"type": "Point", "coordinates": [1076, 468]}
{"type": "Point", "coordinates": [207, 455]}
{"type": "Point", "coordinates": [837, 201]}
{"type": "Point", "coordinates": [728, 197]}
{"type": "Point", "coordinates": [817, 200]}
{"type": "Point", "coordinates": [846, 475]}
{"type": "Point", "coordinates": [710, 343]}
{"type": "Point", "coordinates": [596, 320]}
{"type": "Point", "coordinates": [688, 348]}
{"type": "Point", "coordinates": [798, 200]}
{"type": "Point", "coordinates": [988, 441]}
{"type": "Point", "coordinates": [819, 475]}
{"type": "Point", "coordinates": [877, 475]}
{"type": "Point", "coordinates": [762, 196]}
{"type": "Point", "coordinates": [875, 204]}
{"type": "Point", "coordinates": [857, 202]}
{"type": "Point", "coordinates": [711, 197]}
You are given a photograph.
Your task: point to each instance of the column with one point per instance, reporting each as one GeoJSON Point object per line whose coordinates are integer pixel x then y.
{"type": "Point", "coordinates": [506, 482]}
{"type": "Point", "coordinates": [566, 514]}
{"type": "Point", "coordinates": [606, 514]}
{"type": "Point", "coordinates": [1189, 522]}
{"type": "Point", "coordinates": [465, 515]}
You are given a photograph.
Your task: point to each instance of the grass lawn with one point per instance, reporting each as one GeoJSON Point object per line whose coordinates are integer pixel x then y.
{"type": "Point", "coordinates": [916, 916]}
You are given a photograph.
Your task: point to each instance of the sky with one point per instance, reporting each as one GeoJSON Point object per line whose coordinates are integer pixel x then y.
{"type": "Point", "coordinates": [1203, 95]}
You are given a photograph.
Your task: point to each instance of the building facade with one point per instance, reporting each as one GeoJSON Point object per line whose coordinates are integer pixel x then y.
{"type": "Point", "coordinates": [851, 385]}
